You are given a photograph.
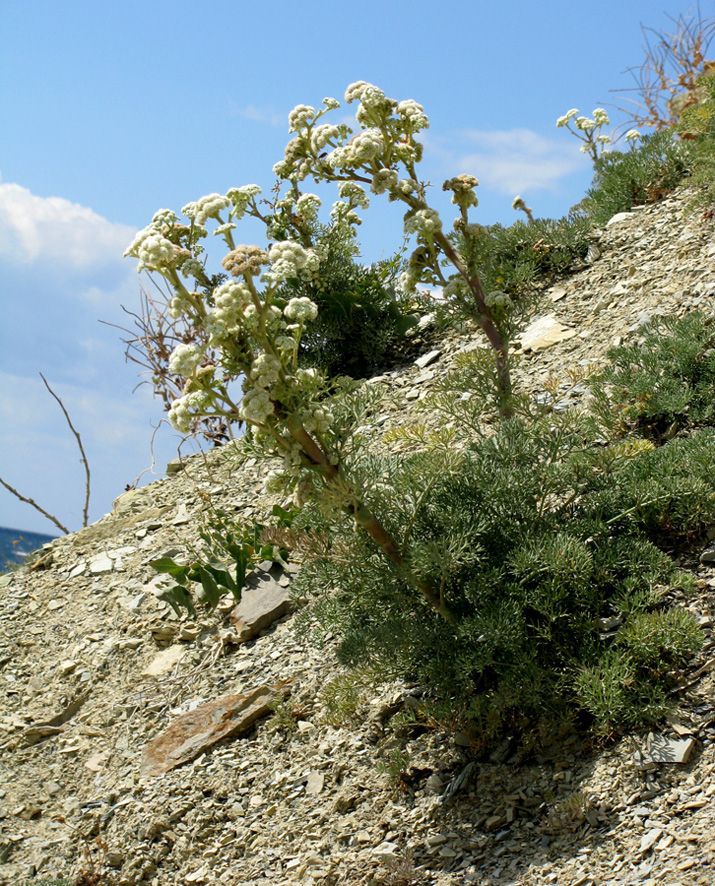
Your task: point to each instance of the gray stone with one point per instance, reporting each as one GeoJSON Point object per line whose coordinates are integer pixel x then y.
{"type": "Point", "coordinates": [165, 661]}
{"type": "Point", "coordinates": [544, 332]}
{"type": "Point", "coordinates": [660, 749]}
{"type": "Point", "coordinates": [427, 358]}
{"type": "Point", "coordinates": [263, 601]}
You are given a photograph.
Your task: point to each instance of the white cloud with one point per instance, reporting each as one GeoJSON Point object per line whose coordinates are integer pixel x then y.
{"type": "Point", "coordinates": [55, 230]}
{"type": "Point", "coordinates": [262, 115]}
{"type": "Point", "coordinates": [511, 161]}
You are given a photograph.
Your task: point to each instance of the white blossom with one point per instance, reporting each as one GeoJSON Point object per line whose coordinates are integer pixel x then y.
{"type": "Point", "coordinates": [205, 208]}
{"type": "Point", "coordinates": [300, 117]}
{"type": "Point", "coordinates": [185, 360]}
{"type": "Point", "coordinates": [256, 406]}
{"type": "Point", "coordinates": [424, 221]}
{"type": "Point", "coordinates": [301, 309]}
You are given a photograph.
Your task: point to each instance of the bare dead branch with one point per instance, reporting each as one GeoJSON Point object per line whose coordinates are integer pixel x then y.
{"type": "Point", "coordinates": [666, 82]}
{"type": "Point", "coordinates": [34, 504]}
{"type": "Point", "coordinates": [81, 449]}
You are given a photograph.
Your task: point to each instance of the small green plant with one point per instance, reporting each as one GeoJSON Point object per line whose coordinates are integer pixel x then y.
{"type": "Point", "coordinates": [570, 813]}
{"type": "Point", "coordinates": [396, 765]}
{"type": "Point", "coordinates": [642, 175]}
{"type": "Point", "coordinates": [401, 871]}
{"type": "Point", "coordinates": [284, 719]}
{"type": "Point", "coordinates": [659, 641]}
{"type": "Point", "coordinates": [231, 549]}
{"type": "Point", "coordinates": [344, 696]}
{"type": "Point", "coordinates": [588, 131]}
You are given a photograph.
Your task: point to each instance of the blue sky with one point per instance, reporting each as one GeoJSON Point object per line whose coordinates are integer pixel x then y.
{"type": "Point", "coordinates": [109, 112]}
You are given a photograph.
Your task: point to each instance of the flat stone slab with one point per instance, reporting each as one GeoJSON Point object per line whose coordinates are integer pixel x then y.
{"type": "Point", "coordinates": [544, 332]}
{"type": "Point", "coordinates": [195, 731]}
{"type": "Point", "coordinates": [165, 661]}
{"type": "Point", "coordinates": [661, 749]}
{"type": "Point", "coordinates": [263, 601]}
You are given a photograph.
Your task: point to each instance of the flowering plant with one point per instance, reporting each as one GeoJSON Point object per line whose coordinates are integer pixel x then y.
{"type": "Point", "coordinates": [382, 156]}
{"type": "Point", "coordinates": [249, 328]}
{"type": "Point", "coordinates": [588, 130]}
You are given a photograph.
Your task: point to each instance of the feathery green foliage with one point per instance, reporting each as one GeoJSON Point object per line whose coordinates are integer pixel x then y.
{"type": "Point", "coordinates": [637, 177]}
{"type": "Point", "coordinates": [667, 378]}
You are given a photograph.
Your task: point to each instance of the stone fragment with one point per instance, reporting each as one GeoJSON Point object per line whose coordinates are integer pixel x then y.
{"type": "Point", "coordinates": [196, 731]}
{"type": "Point", "coordinates": [101, 563]}
{"type": "Point", "coordinates": [315, 783]}
{"type": "Point", "coordinates": [427, 358]}
{"type": "Point", "coordinates": [660, 749]}
{"type": "Point", "coordinates": [165, 661]}
{"type": "Point", "coordinates": [544, 332]}
{"type": "Point", "coordinates": [618, 218]}
{"type": "Point", "coordinates": [96, 761]}
{"type": "Point", "coordinates": [649, 839]}
{"type": "Point", "coordinates": [263, 601]}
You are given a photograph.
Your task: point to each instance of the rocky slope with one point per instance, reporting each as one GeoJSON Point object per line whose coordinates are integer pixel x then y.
{"type": "Point", "coordinates": [124, 742]}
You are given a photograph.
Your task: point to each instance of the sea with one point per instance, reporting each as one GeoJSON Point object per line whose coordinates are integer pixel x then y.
{"type": "Point", "coordinates": [16, 544]}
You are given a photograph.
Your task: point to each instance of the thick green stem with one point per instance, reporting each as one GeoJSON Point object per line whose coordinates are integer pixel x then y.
{"type": "Point", "coordinates": [365, 518]}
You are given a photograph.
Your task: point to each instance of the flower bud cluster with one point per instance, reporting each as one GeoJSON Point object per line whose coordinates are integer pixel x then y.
{"type": "Point", "coordinates": [591, 127]}
{"type": "Point", "coordinates": [206, 207]}
{"type": "Point", "coordinates": [425, 222]}
{"type": "Point", "coordinates": [185, 360]}
{"type": "Point", "coordinates": [245, 260]}
{"type": "Point", "coordinates": [289, 260]}
{"type": "Point", "coordinates": [184, 410]}
{"type": "Point", "coordinates": [301, 309]}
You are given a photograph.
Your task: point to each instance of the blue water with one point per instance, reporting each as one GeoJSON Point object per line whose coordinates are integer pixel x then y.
{"type": "Point", "coordinates": [15, 545]}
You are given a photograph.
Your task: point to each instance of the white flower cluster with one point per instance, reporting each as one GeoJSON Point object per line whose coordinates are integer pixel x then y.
{"type": "Point", "coordinates": [316, 420]}
{"type": "Point", "coordinates": [632, 135]}
{"type": "Point", "coordinates": [231, 303]}
{"type": "Point", "coordinates": [205, 208]}
{"type": "Point", "coordinates": [321, 135]}
{"type": "Point", "coordinates": [374, 105]}
{"type": "Point", "coordinates": [239, 199]}
{"type": "Point", "coordinates": [152, 248]}
{"type": "Point", "coordinates": [289, 259]}
{"type": "Point", "coordinates": [186, 408]}
{"type": "Point", "coordinates": [275, 482]}
{"type": "Point", "coordinates": [256, 406]}
{"type": "Point", "coordinates": [355, 194]}
{"type": "Point", "coordinates": [425, 222]}
{"type": "Point", "coordinates": [413, 114]}
{"type": "Point", "coordinates": [185, 360]}
{"type": "Point", "coordinates": [384, 180]}
{"type": "Point", "coordinates": [301, 309]}
{"type": "Point", "coordinates": [308, 205]}
{"type": "Point", "coordinates": [355, 91]}
{"type": "Point", "coordinates": [362, 148]}
{"type": "Point", "coordinates": [265, 370]}
{"type": "Point", "coordinates": [299, 117]}
{"type": "Point", "coordinates": [562, 121]}
{"type": "Point", "coordinates": [498, 301]}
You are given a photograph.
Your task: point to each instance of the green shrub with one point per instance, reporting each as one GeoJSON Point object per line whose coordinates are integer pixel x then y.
{"type": "Point", "coordinates": [362, 317]}
{"type": "Point", "coordinates": [667, 378]}
{"type": "Point", "coordinates": [529, 548]}
{"type": "Point", "coordinates": [513, 259]}
{"type": "Point", "coordinates": [616, 696]}
{"type": "Point", "coordinates": [660, 640]}
{"type": "Point", "coordinates": [642, 175]}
